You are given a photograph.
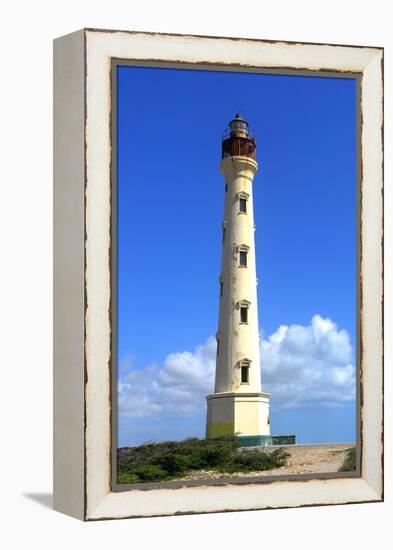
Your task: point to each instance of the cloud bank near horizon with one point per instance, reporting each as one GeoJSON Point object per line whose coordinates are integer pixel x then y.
{"type": "Point", "coordinates": [302, 366]}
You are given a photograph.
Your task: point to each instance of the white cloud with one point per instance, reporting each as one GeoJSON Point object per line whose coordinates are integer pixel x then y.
{"type": "Point", "coordinates": [308, 365]}
{"type": "Point", "coordinates": [301, 366]}
{"type": "Point", "coordinates": [179, 386]}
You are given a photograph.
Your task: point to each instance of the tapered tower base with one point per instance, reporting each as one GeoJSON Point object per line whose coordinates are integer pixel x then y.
{"type": "Point", "coordinates": [244, 415]}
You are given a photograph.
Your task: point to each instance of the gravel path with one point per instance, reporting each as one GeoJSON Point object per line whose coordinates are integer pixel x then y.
{"type": "Point", "coordinates": [303, 459]}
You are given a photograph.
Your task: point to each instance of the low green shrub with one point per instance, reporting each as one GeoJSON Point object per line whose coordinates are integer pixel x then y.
{"type": "Point", "coordinates": [127, 477]}
{"type": "Point", "coordinates": [349, 464]}
{"type": "Point", "coordinates": [217, 454]}
{"type": "Point", "coordinates": [173, 463]}
{"type": "Point", "coordinates": [150, 472]}
{"type": "Point", "coordinates": [173, 459]}
{"type": "Point", "coordinates": [255, 460]}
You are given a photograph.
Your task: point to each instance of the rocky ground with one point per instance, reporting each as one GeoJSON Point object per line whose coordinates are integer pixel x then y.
{"type": "Point", "coordinates": [303, 459]}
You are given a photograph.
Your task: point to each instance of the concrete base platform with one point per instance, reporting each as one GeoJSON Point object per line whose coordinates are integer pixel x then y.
{"type": "Point", "coordinates": [241, 414]}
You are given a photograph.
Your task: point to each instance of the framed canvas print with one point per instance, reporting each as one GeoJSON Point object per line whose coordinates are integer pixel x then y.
{"type": "Point", "coordinates": [218, 340]}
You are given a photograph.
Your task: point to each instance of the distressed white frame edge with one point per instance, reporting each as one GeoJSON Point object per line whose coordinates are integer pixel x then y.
{"type": "Point", "coordinates": [99, 501]}
{"type": "Point", "coordinates": [69, 274]}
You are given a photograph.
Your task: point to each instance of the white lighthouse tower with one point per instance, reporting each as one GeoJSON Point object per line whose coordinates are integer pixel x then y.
{"type": "Point", "coordinates": [238, 407]}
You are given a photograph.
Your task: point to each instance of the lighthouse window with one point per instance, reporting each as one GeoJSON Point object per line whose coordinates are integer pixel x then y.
{"type": "Point", "coordinates": [243, 206]}
{"type": "Point", "coordinates": [244, 374]}
{"type": "Point", "coordinates": [221, 288]}
{"type": "Point", "coordinates": [223, 234]}
{"type": "Point", "coordinates": [243, 258]}
{"type": "Point", "coordinates": [243, 314]}
{"type": "Point", "coordinates": [226, 187]}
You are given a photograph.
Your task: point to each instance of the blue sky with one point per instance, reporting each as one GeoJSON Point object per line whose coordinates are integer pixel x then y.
{"type": "Point", "coordinates": [170, 207]}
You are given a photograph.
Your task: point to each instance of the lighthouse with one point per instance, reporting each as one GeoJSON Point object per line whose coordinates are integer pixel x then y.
{"type": "Point", "coordinates": [238, 407]}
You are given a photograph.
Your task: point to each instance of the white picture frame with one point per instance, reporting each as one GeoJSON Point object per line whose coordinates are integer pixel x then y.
{"type": "Point", "coordinates": [82, 267]}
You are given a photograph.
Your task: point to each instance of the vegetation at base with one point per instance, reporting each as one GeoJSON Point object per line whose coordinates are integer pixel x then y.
{"type": "Point", "coordinates": [175, 459]}
{"type": "Point", "coordinates": [349, 464]}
